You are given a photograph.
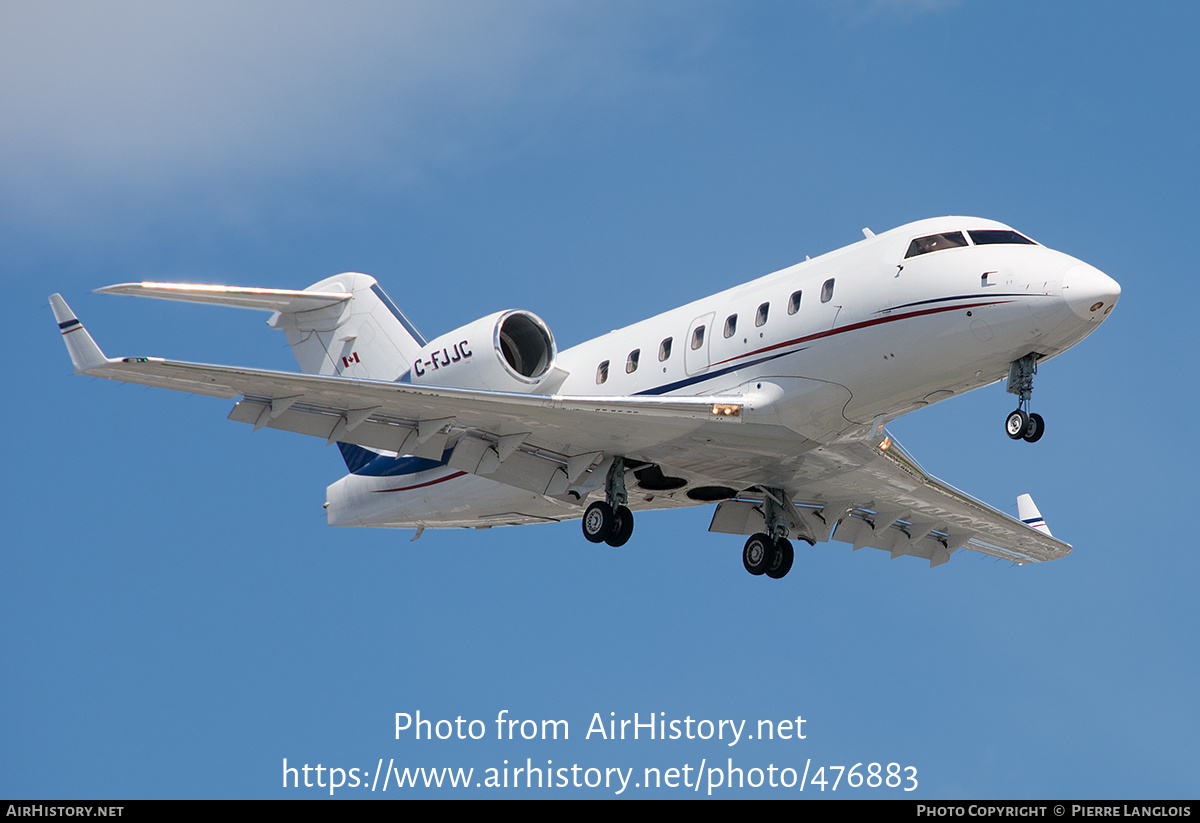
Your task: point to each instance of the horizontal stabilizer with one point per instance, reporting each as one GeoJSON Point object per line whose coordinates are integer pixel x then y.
{"type": "Point", "coordinates": [280, 300]}
{"type": "Point", "coordinates": [85, 354]}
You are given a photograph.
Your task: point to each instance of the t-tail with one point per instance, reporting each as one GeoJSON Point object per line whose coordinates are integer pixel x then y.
{"type": "Point", "coordinates": [344, 325]}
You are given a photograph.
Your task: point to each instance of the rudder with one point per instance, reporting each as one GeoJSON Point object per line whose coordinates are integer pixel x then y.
{"type": "Point", "coordinates": [367, 336]}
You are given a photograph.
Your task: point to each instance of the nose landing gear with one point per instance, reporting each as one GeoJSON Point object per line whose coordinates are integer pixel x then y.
{"type": "Point", "coordinates": [1022, 424]}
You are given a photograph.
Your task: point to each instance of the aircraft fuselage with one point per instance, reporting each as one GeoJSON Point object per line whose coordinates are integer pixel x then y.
{"type": "Point", "coordinates": [830, 349]}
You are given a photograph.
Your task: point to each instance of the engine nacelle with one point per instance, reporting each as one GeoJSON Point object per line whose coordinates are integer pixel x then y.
{"type": "Point", "coordinates": [506, 351]}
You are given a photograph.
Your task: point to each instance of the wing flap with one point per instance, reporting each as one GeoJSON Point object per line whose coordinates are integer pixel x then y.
{"type": "Point", "coordinates": [932, 513]}
{"type": "Point", "coordinates": [525, 470]}
{"type": "Point", "coordinates": [423, 421]}
{"type": "Point", "coordinates": [322, 421]}
{"type": "Point", "coordinates": [601, 423]}
{"type": "Point", "coordinates": [881, 498]}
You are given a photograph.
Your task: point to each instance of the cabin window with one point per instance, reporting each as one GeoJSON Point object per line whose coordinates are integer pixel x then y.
{"type": "Point", "coordinates": [664, 349]}
{"type": "Point", "coordinates": [730, 325]}
{"type": "Point", "coordinates": [827, 291]}
{"type": "Point", "coordinates": [988, 237]}
{"type": "Point", "coordinates": [794, 302]}
{"type": "Point", "coordinates": [632, 361]}
{"type": "Point", "coordinates": [760, 316]}
{"type": "Point", "coordinates": [602, 372]}
{"type": "Point", "coordinates": [697, 338]}
{"type": "Point", "coordinates": [935, 242]}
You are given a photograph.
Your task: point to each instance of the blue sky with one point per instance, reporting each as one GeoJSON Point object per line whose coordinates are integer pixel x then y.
{"type": "Point", "coordinates": [178, 619]}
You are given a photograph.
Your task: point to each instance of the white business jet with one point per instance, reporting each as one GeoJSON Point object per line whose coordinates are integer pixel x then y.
{"type": "Point", "coordinates": [768, 399]}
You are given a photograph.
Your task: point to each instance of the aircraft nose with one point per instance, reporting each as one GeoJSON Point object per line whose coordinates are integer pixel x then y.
{"type": "Point", "coordinates": [1089, 292]}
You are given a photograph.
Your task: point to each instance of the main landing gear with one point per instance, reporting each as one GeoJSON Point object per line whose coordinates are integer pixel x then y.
{"type": "Point", "coordinates": [771, 553]}
{"type": "Point", "coordinates": [1021, 424]}
{"type": "Point", "coordinates": [764, 555]}
{"type": "Point", "coordinates": [610, 521]}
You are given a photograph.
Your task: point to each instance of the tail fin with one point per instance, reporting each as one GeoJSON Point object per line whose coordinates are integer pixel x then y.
{"type": "Point", "coordinates": [366, 337]}
{"type": "Point", "coordinates": [1028, 512]}
{"type": "Point", "coordinates": [344, 325]}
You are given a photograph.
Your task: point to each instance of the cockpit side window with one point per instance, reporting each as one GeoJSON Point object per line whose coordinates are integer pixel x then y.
{"type": "Point", "coordinates": [988, 237]}
{"type": "Point", "coordinates": [935, 242]}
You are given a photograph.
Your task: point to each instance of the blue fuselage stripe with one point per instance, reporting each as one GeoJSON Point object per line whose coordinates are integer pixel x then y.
{"type": "Point", "coordinates": [700, 378]}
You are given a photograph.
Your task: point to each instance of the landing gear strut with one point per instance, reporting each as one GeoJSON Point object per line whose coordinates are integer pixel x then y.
{"type": "Point", "coordinates": [1021, 424]}
{"type": "Point", "coordinates": [610, 521]}
{"type": "Point", "coordinates": [771, 553]}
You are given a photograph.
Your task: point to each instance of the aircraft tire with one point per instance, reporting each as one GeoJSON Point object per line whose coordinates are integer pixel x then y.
{"type": "Point", "coordinates": [758, 553]}
{"type": "Point", "coordinates": [622, 527]}
{"type": "Point", "coordinates": [598, 522]}
{"type": "Point", "coordinates": [784, 555]}
{"type": "Point", "coordinates": [1034, 429]}
{"type": "Point", "coordinates": [1016, 424]}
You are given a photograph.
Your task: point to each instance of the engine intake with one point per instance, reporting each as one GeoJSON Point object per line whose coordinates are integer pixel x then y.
{"type": "Point", "coordinates": [506, 351]}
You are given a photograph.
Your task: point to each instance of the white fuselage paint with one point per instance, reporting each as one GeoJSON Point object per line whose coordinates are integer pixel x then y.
{"type": "Point", "coordinates": [895, 335]}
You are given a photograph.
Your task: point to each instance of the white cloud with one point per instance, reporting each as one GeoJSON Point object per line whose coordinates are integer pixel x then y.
{"type": "Point", "coordinates": [149, 93]}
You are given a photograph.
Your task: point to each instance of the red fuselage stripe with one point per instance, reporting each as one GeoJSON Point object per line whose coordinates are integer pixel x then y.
{"type": "Point", "coordinates": [421, 485]}
{"type": "Point", "coordinates": [864, 324]}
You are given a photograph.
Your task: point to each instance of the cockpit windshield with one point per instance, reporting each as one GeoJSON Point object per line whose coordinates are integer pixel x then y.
{"type": "Point", "coordinates": [987, 237]}
{"type": "Point", "coordinates": [955, 239]}
{"type": "Point", "coordinates": [935, 242]}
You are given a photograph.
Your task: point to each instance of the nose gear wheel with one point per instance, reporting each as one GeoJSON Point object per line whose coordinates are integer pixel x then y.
{"type": "Point", "coordinates": [1021, 424]}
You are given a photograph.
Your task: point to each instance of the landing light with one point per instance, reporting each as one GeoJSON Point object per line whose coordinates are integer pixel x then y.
{"type": "Point", "coordinates": [1097, 305]}
{"type": "Point", "coordinates": [726, 410]}
{"type": "Point", "coordinates": [885, 444]}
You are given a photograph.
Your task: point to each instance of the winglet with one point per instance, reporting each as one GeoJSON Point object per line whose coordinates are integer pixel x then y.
{"type": "Point", "coordinates": [85, 354]}
{"type": "Point", "coordinates": [1029, 514]}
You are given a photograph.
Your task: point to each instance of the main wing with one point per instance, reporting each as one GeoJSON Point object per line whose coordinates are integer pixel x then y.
{"type": "Point", "coordinates": [876, 495]}
{"type": "Point", "coordinates": [537, 442]}
{"type": "Point", "coordinates": [862, 492]}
